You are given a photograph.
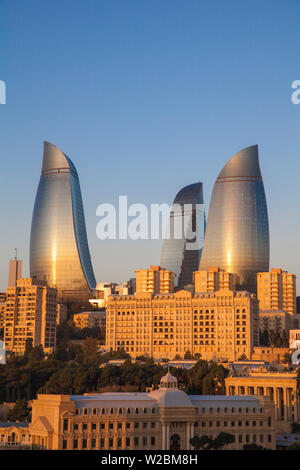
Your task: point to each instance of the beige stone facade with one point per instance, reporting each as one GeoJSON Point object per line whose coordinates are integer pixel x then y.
{"type": "Point", "coordinates": [30, 313]}
{"type": "Point", "coordinates": [222, 325]}
{"type": "Point", "coordinates": [2, 311]}
{"type": "Point", "coordinates": [295, 339]}
{"type": "Point", "coordinates": [269, 354]}
{"type": "Point", "coordinates": [154, 280]}
{"type": "Point", "coordinates": [213, 279]}
{"type": "Point", "coordinates": [276, 320]}
{"type": "Point", "coordinates": [90, 319]}
{"type": "Point", "coordinates": [163, 419]}
{"type": "Point", "coordinates": [276, 290]}
{"type": "Point", "coordinates": [62, 313]}
{"type": "Point", "coordinates": [281, 387]}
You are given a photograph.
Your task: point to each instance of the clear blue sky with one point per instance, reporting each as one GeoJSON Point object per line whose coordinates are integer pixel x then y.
{"type": "Point", "coordinates": [146, 97]}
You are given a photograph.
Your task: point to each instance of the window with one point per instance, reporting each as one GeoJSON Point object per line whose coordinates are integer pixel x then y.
{"type": "Point", "coordinates": [269, 421]}
{"type": "Point", "coordinates": [136, 441]}
{"type": "Point", "coordinates": [94, 426]}
{"type": "Point", "coordinates": [136, 425]}
{"type": "Point", "coordinates": [119, 442]}
{"type": "Point", "coordinates": [84, 426]}
{"type": "Point", "coordinates": [152, 440]}
{"type": "Point", "coordinates": [111, 442]}
{"type": "Point", "coordinates": [152, 425]}
{"type": "Point", "coordinates": [66, 425]}
{"type": "Point", "coordinates": [64, 444]}
{"type": "Point", "coordinates": [127, 441]}
{"type": "Point", "coordinates": [101, 442]}
{"type": "Point", "coordinates": [84, 443]}
{"type": "Point", "coordinates": [75, 444]}
{"type": "Point", "coordinates": [93, 443]}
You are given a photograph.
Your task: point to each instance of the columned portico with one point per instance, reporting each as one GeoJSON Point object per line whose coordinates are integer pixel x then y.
{"type": "Point", "coordinates": [281, 387]}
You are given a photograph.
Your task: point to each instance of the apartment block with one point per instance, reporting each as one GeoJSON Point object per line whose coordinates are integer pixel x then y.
{"type": "Point", "coordinates": [214, 279]}
{"type": "Point", "coordinates": [154, 280]}
{"type": "Point", "coordinates": [276, 320]}
{"type": "Point", "coordinates": [30, 313]}
{"type": "Point", "coordinates": [89, 319]}
{"type": "Point", "coordinates": [276, 290]}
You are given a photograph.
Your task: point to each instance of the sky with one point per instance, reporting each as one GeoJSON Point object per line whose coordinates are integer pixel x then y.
{"type": "Point", "coordinates": [145, 97]}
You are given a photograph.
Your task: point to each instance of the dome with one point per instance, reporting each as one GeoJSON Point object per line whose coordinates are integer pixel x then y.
{"type": "Point", "coordinates": [168, 381]}
{"type": "Point", "coordinates": [171, 397]}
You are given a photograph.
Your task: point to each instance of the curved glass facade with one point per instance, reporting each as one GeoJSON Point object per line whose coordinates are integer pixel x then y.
{"type": "Point", "coordinates": [181, 251]}
{"type": "Point", "coordinates": [237, 233]}
{"type": "Point", "coordinates": [59, 252]}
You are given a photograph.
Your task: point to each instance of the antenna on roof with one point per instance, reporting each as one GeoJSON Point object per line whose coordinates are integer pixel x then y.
{"type": "Point", "coordinates": [16, 253]}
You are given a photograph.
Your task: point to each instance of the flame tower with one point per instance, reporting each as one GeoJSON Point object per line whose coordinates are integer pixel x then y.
{"type": "Point", "coordinates": [237, 232]}
{"type": "Point", "coordinates": [59, 252]}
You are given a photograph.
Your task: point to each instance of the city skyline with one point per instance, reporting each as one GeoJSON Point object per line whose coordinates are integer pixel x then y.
{"type": "Point", "coordinates": [149, 108]}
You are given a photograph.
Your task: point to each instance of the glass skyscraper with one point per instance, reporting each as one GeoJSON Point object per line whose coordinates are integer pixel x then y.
{"type": "Point", "coordinates": [181, 251]}
{"type": "Point", "coordinates": [237, 232]}
{"type": "Point", "coordinates": [59, 252]}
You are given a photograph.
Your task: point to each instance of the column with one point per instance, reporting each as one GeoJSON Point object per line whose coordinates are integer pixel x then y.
{"type": "Point", "coordinates": [163, 435]}
{"type": "Point", "coordinates": [188, 436]}
{"type": "Point", "coordinates": [288, 404]}
{"type": "Point", "coordinates": [167, 437]}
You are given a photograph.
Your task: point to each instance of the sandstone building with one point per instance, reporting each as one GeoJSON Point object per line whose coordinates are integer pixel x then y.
{"type": "Point", "coordinates": [164, 419]}
{"type": "Point", "coordinates": [222, 325]}
{"type": "Point", "coordinates": [276, 290]}
{"type": "Point", "coordinates": [30, 313]}
{"type": "Point", "coordinates": [154, 280]}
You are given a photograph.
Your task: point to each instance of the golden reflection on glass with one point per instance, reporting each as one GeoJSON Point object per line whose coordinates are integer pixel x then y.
{"type": "Point", "coordinates": [59, 252]}
{"type": "Point", "coordinates": [237, 232]}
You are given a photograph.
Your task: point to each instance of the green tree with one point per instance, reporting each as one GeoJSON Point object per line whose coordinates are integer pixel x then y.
{"type": "Point", "coordinates": [206, 443]}
{"type": "Point", "coordinates": [253, 446]}
{"type": "Point", "coordinates": [287, 358]}
{"type": "Point", "coordinates": [284, 339]}
{"type": "Point", "coordinates": [295, 428]}
{"type": "Point", "coordinates": [20, 412]}
{"type": "Point", "coordinates": [294, 446]}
